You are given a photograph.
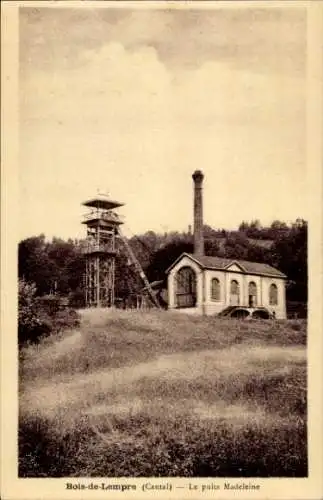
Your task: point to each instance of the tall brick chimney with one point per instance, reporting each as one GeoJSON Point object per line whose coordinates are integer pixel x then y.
{"type": "Point", "coordinates": [198, 213]}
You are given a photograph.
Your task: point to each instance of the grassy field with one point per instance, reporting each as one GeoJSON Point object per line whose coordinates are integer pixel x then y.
{"type": "Point", "coordinates": [161, 394]}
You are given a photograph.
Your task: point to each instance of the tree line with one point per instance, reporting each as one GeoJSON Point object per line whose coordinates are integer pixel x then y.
{"type": "Point", "coordinates": [57, 266]}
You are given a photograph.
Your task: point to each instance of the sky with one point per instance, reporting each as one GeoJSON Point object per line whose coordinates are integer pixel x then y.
{"type": "Point", "coordinates": [130, 101]}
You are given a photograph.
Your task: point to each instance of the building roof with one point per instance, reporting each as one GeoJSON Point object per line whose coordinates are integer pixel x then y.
{"type": "Point", "coordinates": [222, 264]}
{"type": "Point", "coordinates": [102, 202]}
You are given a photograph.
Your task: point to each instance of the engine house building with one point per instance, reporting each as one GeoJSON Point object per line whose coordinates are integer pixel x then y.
{"type": "Point", "coordinates": [207, 285]}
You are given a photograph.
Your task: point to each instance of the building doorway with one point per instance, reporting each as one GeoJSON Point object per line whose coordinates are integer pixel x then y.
{"type": "Point", "coordinates": [185, 287]}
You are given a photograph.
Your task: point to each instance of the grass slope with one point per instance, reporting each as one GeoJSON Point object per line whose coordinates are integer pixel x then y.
{"type": "Point", "coordinates": [161, 394]}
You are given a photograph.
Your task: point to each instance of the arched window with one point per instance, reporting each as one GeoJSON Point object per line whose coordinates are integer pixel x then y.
{"type": "Point", "coordinates": [234, 293]}
{"type": "Point", "coordinates": [215, 289]}
{"type": "Point", "coordinates": [252, 294]}
{"type": "Point", "coordinates": [185, 287]}
{"type": "Point", "coordinates": [273, 295]}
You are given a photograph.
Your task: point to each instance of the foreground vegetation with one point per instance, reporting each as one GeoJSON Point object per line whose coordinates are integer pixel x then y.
{"type": "Point", "coordinates": [161, 394]}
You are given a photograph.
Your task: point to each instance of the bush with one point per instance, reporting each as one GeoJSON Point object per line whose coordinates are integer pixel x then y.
{"type": "Point", "coordinates": [36, 319]}
{"type": "Point", "coordinates": [31, 323]}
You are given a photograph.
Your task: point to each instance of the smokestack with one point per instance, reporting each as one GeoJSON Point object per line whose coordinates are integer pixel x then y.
{"type": "Point", "coordinates": [198, 213]}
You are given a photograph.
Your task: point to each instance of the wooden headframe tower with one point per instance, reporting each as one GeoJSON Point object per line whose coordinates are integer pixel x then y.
{"type": "Point", "coordinates": [102, 224]}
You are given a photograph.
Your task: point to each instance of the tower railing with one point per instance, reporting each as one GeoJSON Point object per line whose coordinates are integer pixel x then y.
{"type": "Point", "coordinates": [105, 247]}
{"type": "Point", "coordinates": [108, 216]}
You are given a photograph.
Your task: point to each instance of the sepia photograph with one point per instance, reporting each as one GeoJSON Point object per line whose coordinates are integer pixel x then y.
{"type": "Point", "coordinates": [162, 247]}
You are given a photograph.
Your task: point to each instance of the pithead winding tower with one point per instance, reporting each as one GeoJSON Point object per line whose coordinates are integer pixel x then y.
{"type": "Point", "coordinates": [102, 224]}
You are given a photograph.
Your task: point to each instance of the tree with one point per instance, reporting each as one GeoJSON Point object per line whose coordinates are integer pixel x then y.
{"type": "Point", "coordinates": [244, 226]}
{"type": "Point", "coordinates": [165, 256]}
{"type": "Point", "coordinates": [127, 280]}
{"type": "Point", "coordinates": [290, 256]}
{"type": "Point", "coordinates": [278, 225]}
{"type": "Point", "coordinates": [56, 266]}
{"type": "Point", "coordinates": [34, 264]}
{"type": "Point", "coordinates": [236, 247]}
{"type": "Point", "coordinates": [211, 247]}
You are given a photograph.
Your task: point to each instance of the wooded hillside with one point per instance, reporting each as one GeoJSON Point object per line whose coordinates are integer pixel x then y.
{"type": "Point", "coordinates": [57, 266]}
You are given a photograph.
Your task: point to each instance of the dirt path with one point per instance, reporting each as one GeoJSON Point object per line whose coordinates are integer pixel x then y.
{"type": "Point", "coordinates": [184, 366]}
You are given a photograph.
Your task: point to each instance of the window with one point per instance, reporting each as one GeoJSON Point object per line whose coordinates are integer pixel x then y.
{"type": "Point", "coordinates": [185, 287]}
{"type": "Point", "coordinates": [252, 294]}
{"type": "Point", "coordinates": [215, 289]}
{"type": "Point", "coordinates": [273, 295]}
{"type": "Point", "coordinates": [234, 293]}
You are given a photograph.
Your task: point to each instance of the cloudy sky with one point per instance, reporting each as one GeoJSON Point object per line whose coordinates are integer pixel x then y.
{"type": "Point", "coordinates": [131, 101]}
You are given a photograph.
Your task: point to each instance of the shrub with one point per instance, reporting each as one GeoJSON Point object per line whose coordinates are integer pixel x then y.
{"type": "Point", "coordinates": [37, 319]}
{"type": "Point", "coordinates": [31, 323]}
